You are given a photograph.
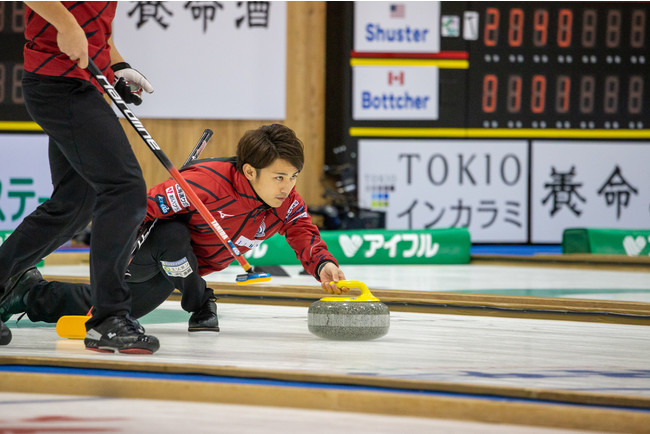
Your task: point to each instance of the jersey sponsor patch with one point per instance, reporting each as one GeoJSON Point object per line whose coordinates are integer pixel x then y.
{"type": "Point", "coordinates": [162, 204]}
{"type": "Point", "coordinates": [249, 244]}
{"type": "Point", "coordinates": [171, 196]}
{"type": "Point", "coordinates": [304, 214]}
{"type": "Point", "coordinates": [182, 197]}
{"type": "Point", "coordinates": [290, 210]}
{"type": "Point", "coordinates": [180, 268]}
{"type": "Point", "coordinates": [294, 212]}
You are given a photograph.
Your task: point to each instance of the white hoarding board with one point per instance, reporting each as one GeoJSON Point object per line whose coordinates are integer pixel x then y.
{"type": "Point", "coordinates": [207, 60]}
{"type": "Point", "coordinates": [24, 176]}
{"type": "Point", "coordinates": [588, 184]}
{"type": "Point", "coordinates": [394, 93]}
{"type": "Point", "coordinates": [397, 27]}
{"type": "Point", "coordinates": [481, 185]}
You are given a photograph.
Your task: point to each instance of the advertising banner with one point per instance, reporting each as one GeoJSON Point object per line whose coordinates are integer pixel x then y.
{"type": "Point", "coordinates": [627, 242]}
{"type": "Point", "coordinates": [588, 184]}
{"type": "Point", "coordinates": [25, 179]}
{"type": "Point", "coordinates": [372, 247]}
{"type": "Point", "coordinates": [207, 60]}
{"type": "Point", "coordinates": [421, 184]}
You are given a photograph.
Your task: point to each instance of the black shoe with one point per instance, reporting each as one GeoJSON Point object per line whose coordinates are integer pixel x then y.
{"type": "Point", "coordinates": [123, 334]}
{"type": "Point", "coordinates": [205, 320]}
{"type": "Point", "coordinates": [5, 334]}
{"type": "Point", "coordinates": [13, 300]}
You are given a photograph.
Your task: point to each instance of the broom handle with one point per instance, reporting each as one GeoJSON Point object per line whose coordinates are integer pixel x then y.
{"type": "Point", "coordinates": [145, 228]}
{"type": "Point", "coordinates": [146, 137]}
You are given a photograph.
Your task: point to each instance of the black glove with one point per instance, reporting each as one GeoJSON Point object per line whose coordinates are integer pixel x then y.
{"type": "Point", "coordinates": [129, 83]}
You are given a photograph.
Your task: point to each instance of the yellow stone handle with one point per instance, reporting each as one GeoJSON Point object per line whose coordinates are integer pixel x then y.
{"type": "Point", "coordinates": [366, 295]}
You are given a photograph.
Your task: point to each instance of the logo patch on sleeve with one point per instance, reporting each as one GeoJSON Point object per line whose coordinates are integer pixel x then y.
{"type": "Point", "coordinates": [261, 230]}
{"type": "Point", "coordinates": [180, 268]}
{"type": "Point", "coordinates": [295, 212]}
{"type": "Point", "coordinates": [172, 199]}
{"type": "Point", "coordinates": [249, 244]}
{"type": "Point", "coordinates": [290, 210]}
{"type": "Point", "coordinates": [304, 214]}
{"type": "Point", "coordinates": [182, 197]}
{"type": "Point", "coordinates": [162, 204]}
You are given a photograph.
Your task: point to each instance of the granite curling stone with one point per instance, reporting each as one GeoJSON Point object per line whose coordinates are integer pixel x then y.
{"type": "Point", "coordinates": [359, 318]}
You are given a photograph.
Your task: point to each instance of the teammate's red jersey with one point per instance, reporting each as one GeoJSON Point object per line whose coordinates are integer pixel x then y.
{"type": "Point", "coordinates": [42, 54]}
{"type": "Point", "coordinates": [241, 213]}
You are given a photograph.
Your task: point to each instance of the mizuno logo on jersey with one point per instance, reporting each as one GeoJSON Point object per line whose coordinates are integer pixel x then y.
{"type": "Point", "coordinates": [223, 215]}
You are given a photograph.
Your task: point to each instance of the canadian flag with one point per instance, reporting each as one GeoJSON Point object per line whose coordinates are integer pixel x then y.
{"type": "Point", "coordinates": [396, 78]}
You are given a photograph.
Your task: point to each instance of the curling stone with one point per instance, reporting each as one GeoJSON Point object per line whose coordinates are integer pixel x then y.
{"type": "Point", "coordinates": [349, 318]}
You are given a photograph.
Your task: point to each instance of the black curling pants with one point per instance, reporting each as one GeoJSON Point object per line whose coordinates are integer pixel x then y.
{"type": "Point", "coordinates": [164, 262]}
{"type": "Point", "coordinates": [95, 176]}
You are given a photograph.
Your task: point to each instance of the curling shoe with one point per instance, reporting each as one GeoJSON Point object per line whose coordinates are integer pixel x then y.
{"type": "Point", "coordinates": [120, 333]}
{"type": "Point", "coordinates": [205, 320]}
{"type": "Point", "coordinates": [18, 285]}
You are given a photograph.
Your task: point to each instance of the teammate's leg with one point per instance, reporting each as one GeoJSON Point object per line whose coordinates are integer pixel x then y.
{"type": "Point", "coordinates": [90, 136]}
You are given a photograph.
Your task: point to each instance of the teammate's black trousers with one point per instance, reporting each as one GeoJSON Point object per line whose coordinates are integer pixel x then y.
{"type": "Point", "coordinates": [164, 262]}
{"type": "Point", "coordinates": [95, 176]}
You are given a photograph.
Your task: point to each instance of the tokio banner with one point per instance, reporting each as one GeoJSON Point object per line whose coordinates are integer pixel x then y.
{"type": "Point", "coordinates": [24, 177]}
{"type": "Point", "coordinates": [506, 191]}
{"type": "Point", "coordinates": [588, 184]}
{"type": "Point", "coordinates": [481, 185]}
{"type": "Point", "coordinates": [207, 60]}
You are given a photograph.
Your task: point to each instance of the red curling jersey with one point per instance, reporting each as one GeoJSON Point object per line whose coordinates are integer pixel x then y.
{"type": "Point", "coordinates": [241, 213]}
{"type": "Point", "coordinates": [42, 54]}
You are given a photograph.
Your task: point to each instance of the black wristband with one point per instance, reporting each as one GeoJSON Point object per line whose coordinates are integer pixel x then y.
{"type": "Point", "coordinates": [320, 267]}
{"type": "Point", "coordinates": [119, 66]}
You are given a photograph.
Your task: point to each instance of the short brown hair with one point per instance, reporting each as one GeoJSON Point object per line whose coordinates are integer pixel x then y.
{"type": "Point", "coordinates": [261, 147]}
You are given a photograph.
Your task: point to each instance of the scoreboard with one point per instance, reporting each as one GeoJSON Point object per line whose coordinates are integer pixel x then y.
{"type": "Point", "coordinates": [12, 107]}
{"type": "Point", "coordinates": [559, 65]}
{"type": "Point", "coordinates": [561, 68]}
{"type": "Point", "coordinates": [514, 119]}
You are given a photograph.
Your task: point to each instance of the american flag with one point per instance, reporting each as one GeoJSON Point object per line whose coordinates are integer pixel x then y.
{"type": "Point", "coordinates": [397, 10]}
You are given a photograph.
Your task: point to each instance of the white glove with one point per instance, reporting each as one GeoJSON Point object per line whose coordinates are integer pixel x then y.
{"type": "Point", "coordinates": [129, 83]}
